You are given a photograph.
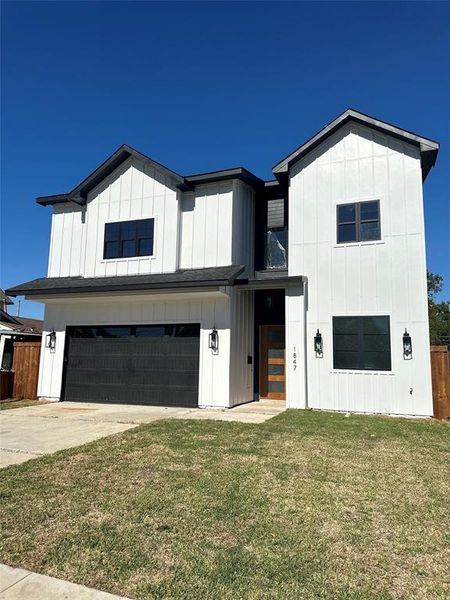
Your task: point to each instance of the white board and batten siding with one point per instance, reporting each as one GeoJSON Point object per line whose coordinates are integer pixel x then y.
{"type": "Point", "coordinates": [242, 347]}
{"type": "Point", "coordinates": [212, 311]}
{"type": "Point", "coordinates": [386, 277]}
{"type": "Point", "coordinates": [206, 226]}
{"type": "Point", "coordinates": [132, 191]}
{"type": "Point", "coordinates": [209, 227]}
{"type": "Point", "coordinates": [217, 226]}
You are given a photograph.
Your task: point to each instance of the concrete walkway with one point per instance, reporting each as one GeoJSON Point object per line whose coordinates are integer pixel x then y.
{"type": "Point", "coordinates": [33, 431]}
{"type": "Point", "coordinates": [19, 584]}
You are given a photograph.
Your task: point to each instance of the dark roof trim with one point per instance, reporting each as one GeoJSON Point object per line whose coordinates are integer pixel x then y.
{"type": "Point", "coordinates": [50, 200]}
{"type": "Point", "coordinates": [270, 283]}
{"type": "Point", "coordinates": [428, 148]}
{"type": "Point", "coordinates": [237, 173]}
{"type": "Point", "coordinates": [80, 192]}
{"type": "Point", "coordinates": [189, 278]}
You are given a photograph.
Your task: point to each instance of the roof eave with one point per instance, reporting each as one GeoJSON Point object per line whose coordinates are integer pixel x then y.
{"type": "Point", "coordinates": [80, 193]}
{"type": "Point", "coordinates": [226, 174]}
{"type": "Point", "coordinates": [428, 148]}
{"type": "Point", "coordinates": [118, 286]}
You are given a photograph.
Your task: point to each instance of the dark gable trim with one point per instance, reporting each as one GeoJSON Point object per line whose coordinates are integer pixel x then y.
{"type": "Point", "coordinates": [237, 173]}
{"type": "Point", "coordinates": [50, 200]}
{"type": "Point", "coordinates": [80, 192]}
{"type": "Point", "coordinates": [428, 148]}
{"type": "Point", "coordinates": [189, 278]}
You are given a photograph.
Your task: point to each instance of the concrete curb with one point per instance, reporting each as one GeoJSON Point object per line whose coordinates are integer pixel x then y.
{"type": "Point", "coordinates": [20, 584]}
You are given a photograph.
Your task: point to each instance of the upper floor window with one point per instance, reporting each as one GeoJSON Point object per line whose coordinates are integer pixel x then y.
{"type": "Point", "coordinates": [125, 239]}
{"type": "Point", "coordinates": [358, 222]}
{"type": "Point", "coordinates": [362, 343]}
{"type": "Point", "coordinates": [276, 242]}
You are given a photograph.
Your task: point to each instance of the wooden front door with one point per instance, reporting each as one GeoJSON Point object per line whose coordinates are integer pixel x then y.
{"type": "Point", "coordinates": [272, 362]}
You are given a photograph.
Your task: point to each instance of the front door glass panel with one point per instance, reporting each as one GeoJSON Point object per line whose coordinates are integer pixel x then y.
{"type": "Point", "coordinates": [272, 362]}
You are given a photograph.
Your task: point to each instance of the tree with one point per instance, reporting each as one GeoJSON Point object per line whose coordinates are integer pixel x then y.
{"type": "Point", "coordinates": [438, 312]}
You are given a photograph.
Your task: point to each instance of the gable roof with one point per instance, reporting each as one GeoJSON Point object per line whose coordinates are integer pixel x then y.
{"type": "Point", "coordinates": [428, 148]}
{"type": "Point", "coordinates": [428, 152]}
{"type": "Point", "coordinates": [80, 192]}
{"type": "Point", "coordinates": [7, 318]}
{"type": "Point", "coordinates": [21, 324]}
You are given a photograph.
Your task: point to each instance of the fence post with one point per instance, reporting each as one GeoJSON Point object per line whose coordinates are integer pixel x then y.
{"type": "Point", "coordinates": [440, 375]}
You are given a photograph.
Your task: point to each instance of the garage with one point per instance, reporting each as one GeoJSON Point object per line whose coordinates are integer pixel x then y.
{"type": "Point", "coordinates": [156, 365]}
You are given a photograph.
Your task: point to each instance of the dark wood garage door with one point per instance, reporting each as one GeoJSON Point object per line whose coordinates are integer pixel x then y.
{"type": "Point", "coordinates": [137, 364]}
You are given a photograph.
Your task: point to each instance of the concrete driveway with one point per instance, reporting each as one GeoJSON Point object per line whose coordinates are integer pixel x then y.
{"type": "Point", "coordinates": [42, 429]}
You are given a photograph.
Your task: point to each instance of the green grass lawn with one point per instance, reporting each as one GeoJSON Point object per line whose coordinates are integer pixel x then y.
{"type": "Point", "coordinates": [306, 506]}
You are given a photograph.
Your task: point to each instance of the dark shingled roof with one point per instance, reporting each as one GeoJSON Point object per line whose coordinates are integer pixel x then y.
{"type": "Point", "coordinates": [187, 278]}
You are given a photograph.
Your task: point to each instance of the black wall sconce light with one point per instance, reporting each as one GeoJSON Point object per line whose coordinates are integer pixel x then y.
{"type": "Point", "coordinates": [407, 346]}
{"type": "Point", "coordinates": [213, 341]}
{"type": "Point", "coordinates": [318, 344]}
{"type": "Point", "coordinates": [50, 340]}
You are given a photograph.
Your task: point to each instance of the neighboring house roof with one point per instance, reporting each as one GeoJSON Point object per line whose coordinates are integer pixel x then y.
{"type": "Point", "coordinates": [29, 325]}
{"type": "Point", "coordinates": [188, 278]}
{"type": "Point", "coordinates": [7, 318]}
{"type": "Point", "coordinates": [428, 148]}
{"type": "Point", "coordinates": [4, 299]}
{"type": "Point", "coordinates": [20, 325]}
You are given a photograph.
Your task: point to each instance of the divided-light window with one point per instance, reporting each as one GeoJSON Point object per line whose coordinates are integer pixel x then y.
{"type": "Point", "coordinates": [358, 222]}
{"type": "Point", "coordinates": [362, 343]}
{"type": "Point", "coordinates": [125, 239]}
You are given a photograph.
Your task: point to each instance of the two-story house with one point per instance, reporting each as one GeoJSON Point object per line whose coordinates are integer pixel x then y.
{"type": "Point", "coordinates": [216, 289]}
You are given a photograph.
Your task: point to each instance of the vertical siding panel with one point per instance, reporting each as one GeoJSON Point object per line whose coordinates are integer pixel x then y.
{"type": "Point", "coordinates": [386, 277]}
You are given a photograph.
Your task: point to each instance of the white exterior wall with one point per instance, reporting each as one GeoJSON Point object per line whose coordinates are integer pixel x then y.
{"type": "Point", "coordinates": [217, 225]}
{"type": "Point", "coordinates": [243, 231]}
{"type": "Point", "coordinates": [132, 191]}
{"type": "Point", "coordinates": [209, 309]}
{"type": "Point", "coordinates": [295, 358]}
{"type": "Point", "coordinates": [206, 226]}
{"type": "Point", "coordinates": [386, 277]}
{"type": "Point", "coordinates": [242, 334]}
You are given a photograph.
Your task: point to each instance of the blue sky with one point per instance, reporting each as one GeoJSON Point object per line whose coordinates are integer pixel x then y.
{"type": "Point", "coordinates": [205, 86]}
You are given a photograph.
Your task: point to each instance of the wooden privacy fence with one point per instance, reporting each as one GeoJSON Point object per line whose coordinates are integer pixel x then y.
{"type": "Point", "coordinates": [6, 384]}
{"type": "Point", "coordinates": [26, 369]}
{"type": "Point", "coordinates": [440, 375]}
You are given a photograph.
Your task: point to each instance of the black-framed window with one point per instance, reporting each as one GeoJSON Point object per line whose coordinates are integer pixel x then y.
{"type": "Point", "coordinates": [125, 239]}
{"type": "Point", "coordinates": [362, 343]}
{"type": "Point", "coordinates": [358, 222]}
{"type": "Point", "coordinates": [276, 235]}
